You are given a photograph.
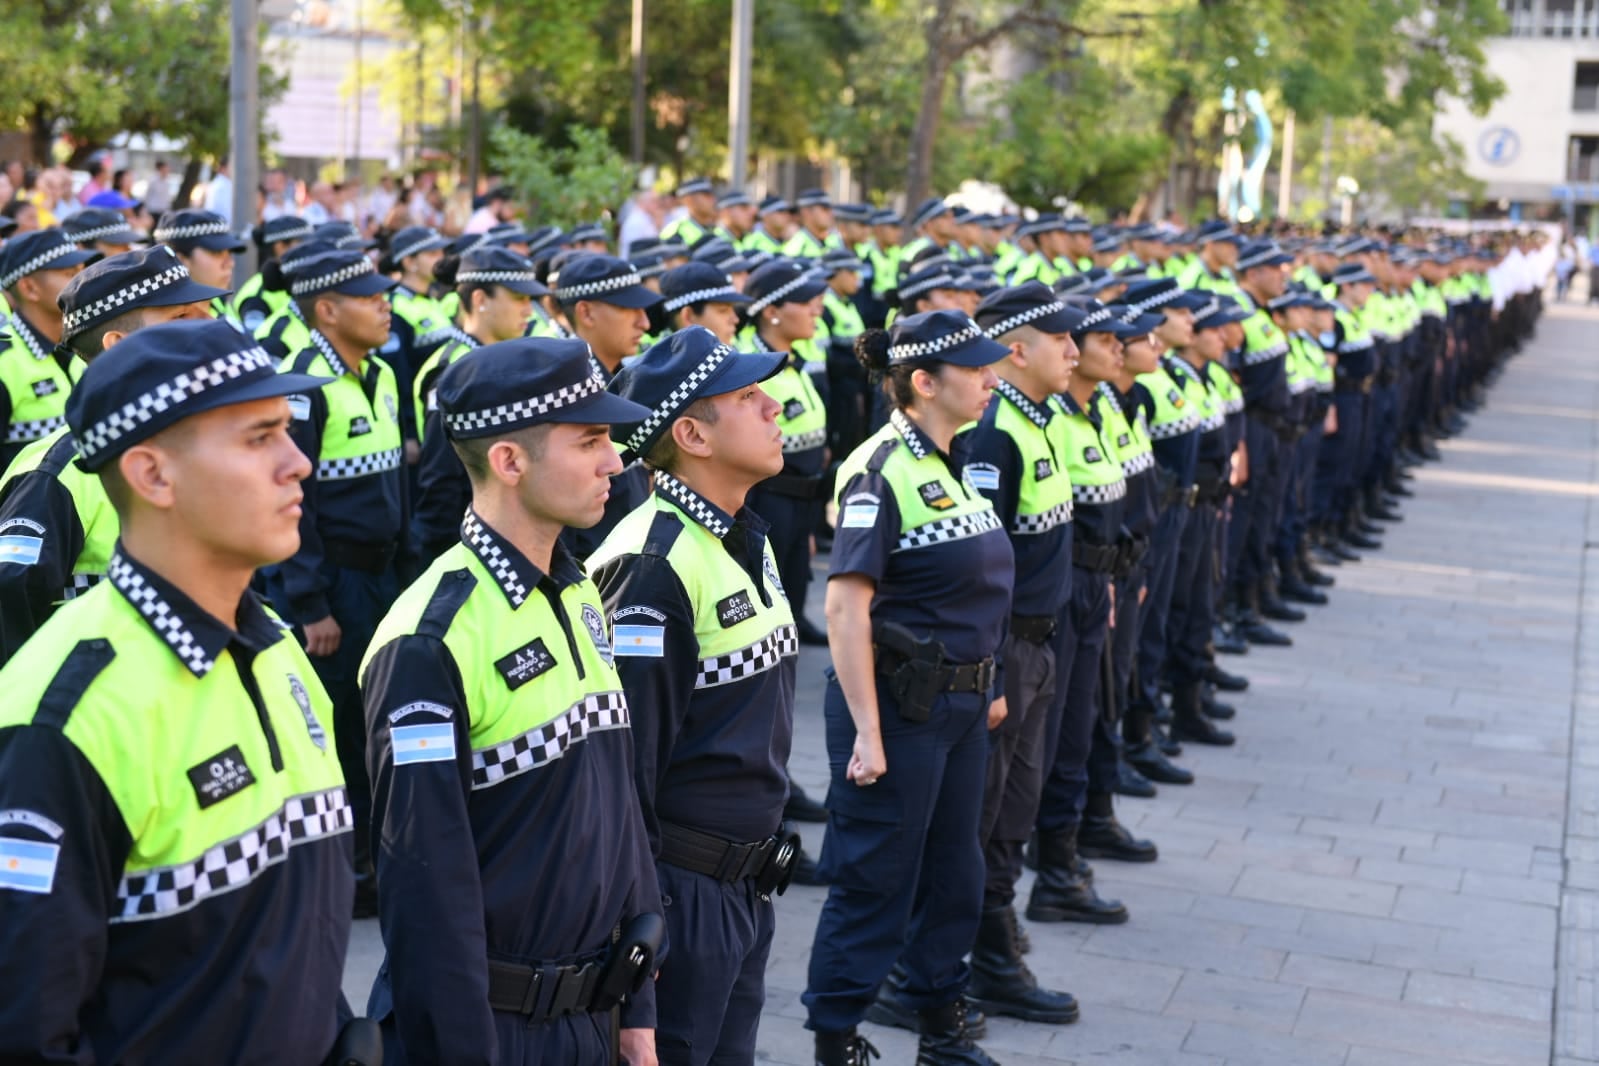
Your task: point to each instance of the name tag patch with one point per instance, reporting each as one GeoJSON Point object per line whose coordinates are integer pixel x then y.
{"type": "Point", "coordinates": [1124, 440]}
{"type": "Point", "coordinates": [734, 609]}
{"type": "Point", "coordinates": [1042, 469]}
{"type": "Point", "coordinates": [984, 477]}
{"type": "Point", "coordinates": [640, 642]}
{"type": "Point", "coordinates": [222, 775]}
{"type": "Point", "coordinates": [524, 664]}
{"type": "Point", "coordinates": [1091, 455]}
{"type": "Point", "coordinates": [27, 865]}
{"type": "Point", "coordinates": [359, 426]}
{"type": "Point", "coordinates": [935, 495]}
{"type": "Point", "coordinates": [434, 742]}
{"type": "Point", "coordinates": [793, 409]}
{"type": "Point", "coordinates": [45, 387]}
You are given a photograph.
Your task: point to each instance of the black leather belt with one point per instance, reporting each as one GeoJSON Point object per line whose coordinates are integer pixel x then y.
{"type": "Point", "coordinates": [1213, 491]}
{"type": "Point", "coordinates": [1035, 629]}
{"type": "Point", "coordinates": [1346, 386]}
{"type": "Point", "coordinates": [1097, 558]}
{"type": "Point", "coordinates": [1179, 494]}
{"type": "Point", "coordinates": [703, 853]}
{"type": "Point", "coordinates": [369, 557]}
{"type": "Point", "coordinates": [544, 993]}
{"type": "Point", "coordinates": [966, 677]}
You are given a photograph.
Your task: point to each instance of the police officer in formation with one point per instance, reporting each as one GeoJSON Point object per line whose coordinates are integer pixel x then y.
{"type": "Point", "coordinates": [1127, 487]}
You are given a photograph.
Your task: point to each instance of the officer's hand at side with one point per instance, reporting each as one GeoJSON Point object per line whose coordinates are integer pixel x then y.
{"type": "Point", "coordinates": [638, 1047]}
{"type": "Point", "coordinates": [996, 713]}
{"type": "Point", "coordinates": [1330, 424]}
{"type": "Point", "coordinates": [867, 763]}
{"type": "Point", "coordinates": [322, 638]}
{"type": "Point", "coordinates": [413, 452]}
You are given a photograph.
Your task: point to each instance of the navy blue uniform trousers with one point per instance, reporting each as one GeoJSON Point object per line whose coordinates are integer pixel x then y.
{"type": "Point", "coordinates": [901, 857]}
{"type": "Point", "coordinates": [1081, 639]}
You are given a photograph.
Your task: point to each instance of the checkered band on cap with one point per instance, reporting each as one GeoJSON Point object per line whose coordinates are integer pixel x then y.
{"type": "Point", "coordinates": [709, 296]}
{"type": "Point", "coordinates": [675, 400]}
{"type": "Point", "coordinates": [232, 864]}
{"type": "Point", "coordinates": [98, 233]}
{"type": "Point", "coordinates": [79, 319]}
{"type": "Point", "coordinates": [1021, 318]}
{"type": "Point", "coordinates": [495, 277]}
{"type": "Point", "coordinates": [202, 229]}
{"type": "Point", "coordinates": [599, 288]}
{"type": "Point", "coordinates": [1260, 258]}
{"type": "Point", "coordinates": [513, 414]}
{"type": "Point", "coordinates": [324, 282]}
{"type": "Point", "coordinates": [1160, 299]}
{"type": "Point", "coordinates": [295, 233]}
{"type": "Point", "coordinates": [594, 713]}
{"type": "Point", "coordinates": [39, 262]}
{"type": "Point", "coordinates": [1095, 318]}
{"type": "Point", "coordinates": [432, 239]}
{"type": "Point", "coordinates": [905, 353]}
{"type": "Point", "coordinates": [777, 294]}
{"type": "Point", "coordinates": [101, 435]}
{"type": "Point", "coordinates": [937, 281]}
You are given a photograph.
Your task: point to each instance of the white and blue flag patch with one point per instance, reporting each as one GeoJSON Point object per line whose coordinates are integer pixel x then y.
{"type": "Point", "coordinates": [28, 866]}
{"type": "Point", "coordinates": [434, 742]}
{"type": "Point", "coordinates": [984, 477]}
{"type": "Point", "coordinates": [22, 550]}
{"type": "Point", "coordinates": [643, 642]}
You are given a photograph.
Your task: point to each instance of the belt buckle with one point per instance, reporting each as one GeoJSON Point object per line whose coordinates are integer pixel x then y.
{"type": "Point", "coordinates": [1192, 495]}
{"type": "Point", "coordinates": [985, 675]}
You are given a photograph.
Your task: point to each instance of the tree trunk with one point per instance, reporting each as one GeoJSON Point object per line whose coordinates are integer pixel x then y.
{"type": "Point", "coordinates": [919, 171]}
{"type": "Point", "coordinates": [41, 134]}
{"type": "Point", "coordinates": [191, 178]}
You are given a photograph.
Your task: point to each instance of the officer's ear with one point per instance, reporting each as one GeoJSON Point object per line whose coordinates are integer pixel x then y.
{"type": "Point", "coordinates": [143, 469]}
{"type": "Point", "coordinates": [27, 288]}
{"type": "Point", "coordinates": [688, 434]}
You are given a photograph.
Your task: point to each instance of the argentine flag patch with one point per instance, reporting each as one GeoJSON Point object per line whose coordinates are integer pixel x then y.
{"type": "Point", "coordinates": [28, 866]}
{"type": "Point", "coordinates": [434, 742]}
{"type": "Point", "coordinates": [640, 642]}
{"type": "Point", "coordinates": [984, 477]}
{"type": "Point", "coordinates": [24, 551]}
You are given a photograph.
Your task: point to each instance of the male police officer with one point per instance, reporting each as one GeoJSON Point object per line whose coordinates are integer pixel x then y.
{"type": "Point", "coordinates": [706, 647]}
{"type": "Point", "coordinates": [176, 827]}
{"type": "Point", "coordinates": [34, 379]}
{"type": "Point", "coordinates": [206, 248]}
{"type": "Point", "coordinates": [57, 527]}
{"type": "Point", "coordinates": [698, 196]}
{"type": "Point", "coordinates": [510, 841]}
{"type": "Point", "coordinates": [340, 583]}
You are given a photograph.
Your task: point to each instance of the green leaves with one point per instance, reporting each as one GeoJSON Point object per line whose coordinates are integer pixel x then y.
{"type": "Point", "coordinates": [563, 186]}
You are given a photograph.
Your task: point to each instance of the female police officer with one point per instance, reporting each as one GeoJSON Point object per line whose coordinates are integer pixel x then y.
{"type": "Point", "coordinates": [917, 604]}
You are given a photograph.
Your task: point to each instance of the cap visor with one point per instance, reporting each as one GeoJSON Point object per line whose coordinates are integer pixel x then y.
{"type": "Point", "coordinates": [220, 242]}
{"type": "Point", "coordinates": [72, 259]}
{"type": "Point", "coordinates": [366, 285]}
{"type": "Point", "coordinates": [741, 370]}
{"type": "Point", "coordinates": [978, 353]}
{"type": "Point", "coordinates": [185, 292]}
{"type": "Point", "coordinates": [634, 296]}
{"type": "Point", "coordinates": [603, 409]}
{"type": "Point", "coordinates": [526, 288]}
{"type": "Point", "coordinates": [1188, 299]}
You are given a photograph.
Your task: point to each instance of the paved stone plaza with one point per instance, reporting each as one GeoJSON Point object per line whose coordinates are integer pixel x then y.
{"type": "Point", "coordinates": [1398, 865]}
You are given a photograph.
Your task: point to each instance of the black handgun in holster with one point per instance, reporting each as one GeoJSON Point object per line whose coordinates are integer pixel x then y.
{"type": "Point", "coordinates": [360, 1043]}
{"type": "Point", "coordinates": [775, 876]}
{"type": "Point", "coordinates": [915, 669]}
{"type": "Point", "coordinates": [631, 961]}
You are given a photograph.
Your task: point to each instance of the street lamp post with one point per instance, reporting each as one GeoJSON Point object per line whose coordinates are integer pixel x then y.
{"type": "Point", "coordinates": [738, 92]}
{"type": "Point", "coordinates": [245, 112]}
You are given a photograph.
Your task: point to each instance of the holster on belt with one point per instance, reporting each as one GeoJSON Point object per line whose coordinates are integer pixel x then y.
{"type": "Point", "coordinates": [919, 671]}
{"type": "Point", "coordinates": [1130, 550]}
{"type": "Point", "coordinates": [1097, 558]}
{"type": "Point", "coordinates": [1035, 629]}
{"type": "Point", "coordinates": [590, 984]}
{"type": "Point", "coordinates": [769, 862]}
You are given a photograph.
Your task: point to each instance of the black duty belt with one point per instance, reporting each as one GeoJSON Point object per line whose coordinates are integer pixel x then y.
{"type": "Point", "coordinates": [1097, 558]}
{"type": "Point", "coordinates": [1280, 425]}
{"type": "Point", "coordinates": [369, 557]}
{"type": "Point", "coordinates": [769, 863]}
{"type": "Point", "coordinates": [965, 677]}
{"type": "Point", "coordinates": [1346, 385]}
{"type": "Point", "coordinates": [1179, 494]}
{"type": "Point", "coordinates": [546, 992]}
{"type": "Point", "coordinates": [1213, 490]}
{"type": "Point", "coordinates": [1033, 628]}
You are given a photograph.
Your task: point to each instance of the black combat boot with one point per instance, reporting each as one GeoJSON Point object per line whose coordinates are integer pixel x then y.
{"type": "Point", "coordinates": [1307, 568]}
{"type": "Point", "coordinates": [1001, 983]}
{"type": "Point", "coordinates": [1294, 586]}
{"type": "Point", "coordinates": [890, 1008]}
{"type": "Point", "coordinates": [1271, 605]}
{"type": "Point", "coordinates": [1060, 893]}
{"type": "Point", "coordinates": [1251, 626]}
{"type": "Point", "coordinates": [1377, 508]}
{"type": "Point", "coordinates": [945, 1039]}
{"type": "Point", "coordinates": [1101, 836]}
{"type": "Point", "coordinates": [1024, 943]}
{"type": "Point", "coordinates": [1224, 681]}
{"type": "Point", "coordinates": [1190, 722]}
{"type": "Point", "coordinates": [848, 1048]}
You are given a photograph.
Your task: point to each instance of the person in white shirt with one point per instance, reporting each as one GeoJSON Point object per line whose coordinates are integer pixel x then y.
{"type": "Point", "coordinates": [219, 193]}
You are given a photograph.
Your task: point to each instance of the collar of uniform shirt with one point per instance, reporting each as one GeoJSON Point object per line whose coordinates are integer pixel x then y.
{"type": "Point", "coordinates": [194, 636]}
{"type": "Point", "coordinates": [1072, 407]}
{"type": "Point", "coordinates": [1038, 415]}
{"type": "Point", "coordinates": [512, 570]}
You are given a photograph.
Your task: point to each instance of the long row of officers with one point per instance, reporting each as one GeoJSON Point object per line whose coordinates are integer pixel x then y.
{"type": "Point", "coordinates": [463, 585]}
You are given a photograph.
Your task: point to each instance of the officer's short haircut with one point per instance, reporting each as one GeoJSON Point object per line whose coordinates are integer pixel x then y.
{"type": "Point", "coordinates": [474, 452]}
{"type": "Point", "coordinates": [663, 456]}
{"type": "Point", "coordinates": [91, 342]}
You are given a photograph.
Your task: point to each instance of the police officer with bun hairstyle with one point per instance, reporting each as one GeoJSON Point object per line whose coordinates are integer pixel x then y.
{"type": "Point", "coordinates": [706, 649]}
{"type": "Point", "coordinates": [510, 842]}
{"type": "Point", "coordinates": [175, 851]}
{"type": "Point", "coordinates": [918, 601]}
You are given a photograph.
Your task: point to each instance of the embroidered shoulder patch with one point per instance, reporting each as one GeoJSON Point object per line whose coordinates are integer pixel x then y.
{"type": "Point", "coordinates": [984, 477]}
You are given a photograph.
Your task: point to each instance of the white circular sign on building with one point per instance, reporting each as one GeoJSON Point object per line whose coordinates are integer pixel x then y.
{"type": "Point", "coordinates": [1499, 145]}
